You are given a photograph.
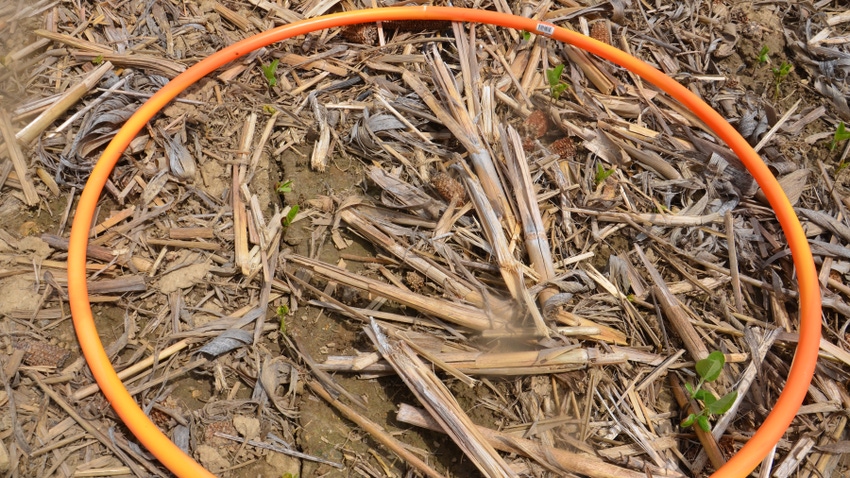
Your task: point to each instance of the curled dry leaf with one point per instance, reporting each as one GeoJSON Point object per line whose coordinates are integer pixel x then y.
{"type": "Point", "coordinates": [180, 160]}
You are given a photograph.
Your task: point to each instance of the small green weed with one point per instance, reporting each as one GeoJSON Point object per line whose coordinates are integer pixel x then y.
{"type": "Point", "coordinates": [270, 72]}
{"type": "Point", "coordinates": [287, 187]}
{"type": "Point", "coordinates": [290, 216]}
{"type": "Point", "coordinates": [779, 75]}
{"type": "Point", "coordinates": [601, 174]}
{"type": "Point", "coordinates": [709, 370]}
{"type": "Point", "coordinates": [556, 86]}
{"type": "Point", "coordinates": [763, 58]}
{"type": "Point", "coordinates": [526, 36]}
{"type": "Point", "coordinates": [841, 134]}
{"type": "Point", "coordinates": [282, 311]}
{"type": "Point", "coordinates": [284, 187]}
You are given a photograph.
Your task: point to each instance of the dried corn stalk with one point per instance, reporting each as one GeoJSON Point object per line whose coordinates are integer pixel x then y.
{"type": "Point", "coordinates": [321, 150]}
{"type": "Point", "coordinates": [440, 403]}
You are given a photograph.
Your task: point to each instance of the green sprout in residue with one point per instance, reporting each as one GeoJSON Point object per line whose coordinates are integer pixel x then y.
{"type": "Point", "coordinates": [290, 216]}
{"type": "Point", "coordinates": [780, 73]}
{"type": "Point", "coordinates": [763, 58]}
{"type": "Point", "coordinates": [709, 370]}
{"type": "Point", "coordinates": [526, 35]}
{"type": "Point", "coordinates": [602, 174]}
{"type": "Point", "coordinates": [841, 134]}
{"type": "Point", "coordinates": [97, 60]}
{"type": "Point", "coordinates": [556, 86]}
{"type": "Point", "coordinates": [287, 187]}
{"type": "Point", "coordinates": [284, 187]}
{"type": "Point", "coordinates": [282, 311]}
{"type": "Point", "coordinates": [270, 72]}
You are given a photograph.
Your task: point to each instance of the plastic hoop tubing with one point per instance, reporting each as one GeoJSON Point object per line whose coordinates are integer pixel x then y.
{"type": "Point", "coordinates": [740, 465]}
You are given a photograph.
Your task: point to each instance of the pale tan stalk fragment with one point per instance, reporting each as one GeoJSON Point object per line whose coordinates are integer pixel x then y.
{"type": "Point", "coordinates": [458, 120]}
{"type": "Point", "coordinates": [460, 314]}
{"type": "Point", "coordinates": [437, 274]}
{"type": "Point", "coordinates": [151, 63]}
{"type": "Point", "coordinates": [376, 431]}
{"type": "Point", "coordinates": [509, 267]}
{"type": "Point", "coordinates": [678, 318]}
{"type": "Point", "coordinates": [534, 233]}
{"type": "Point", "coordinates": [19, 161]}
{"type": "Point", "coordinates": [321, 149]}
{"type": "Point", "coordinates": [73, 41]}
{"type": "Point", "coordinates": [61, 105]}
{"type": "Point", "coordinates": [593, 73]}
{"type": "Point", "coordinates": [560, 461]}
{"type": "Point", "coordinates": [440, 403]}
{"type": "Point", "coordinates": [245, 259]}
{"type": "Point", "coordinates": [135, 368]}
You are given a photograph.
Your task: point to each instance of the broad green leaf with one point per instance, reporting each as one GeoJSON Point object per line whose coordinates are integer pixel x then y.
{"type": "Point", "coordinates": [722, 405]}
{"type": "Point", "coordinates": [290, 216]}
{"type": "Point", "coordinates": [559, 89]}
{"type": "Point", "coordinates": [763, 54]}
{"type": "Point", "coordinates": [689, 421]}
{"type": "Point", "coordinates": [285, 187]}
{"type": "Point", "coordinates": [702, 421]}
{"type": "Point", "coordinates": [705, 397]}
{"type": "Point", "coordinates": [841, 134]}
{"type": "Point", "coordinates": [710, 367]}
{"type": "Point", "coordinates": [553, 75]}
{"type": "Point", "coordinates": [602, 173]}
{"type": "Point", "coordinates": [269, 72]}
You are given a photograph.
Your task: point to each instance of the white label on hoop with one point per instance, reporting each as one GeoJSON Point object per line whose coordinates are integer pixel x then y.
{"type": "Point", "coordinates": [546, 28]}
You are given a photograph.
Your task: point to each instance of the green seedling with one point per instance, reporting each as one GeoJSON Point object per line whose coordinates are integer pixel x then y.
{"type": "Point", "coordinates": [526, 36]}
{"type": "Point", "coordinates": [287, 187]}
{"type": "Point", "coordinates": [270, 72]}
{"type": "Point", "coordinates": [601, 174]}
{"type": "Point", "coordinates": [97, 60]}
{"type": "Point", "coordinates": [282, 311]}
{"type": "Point", "coordinates": [709, 370]}
{"type": "Point", "coordinates": [284, 187]}
{"type": "Point", "coordinates": [290, 216]}
{"type": "Point", "coordinates": [556, 86]}
{"type": "Point", "coordinates": [841, 134]}
{"type": "Point", "coordinates": [763, 58]}
{"type": "Point", "coordinates": [780, 73]}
